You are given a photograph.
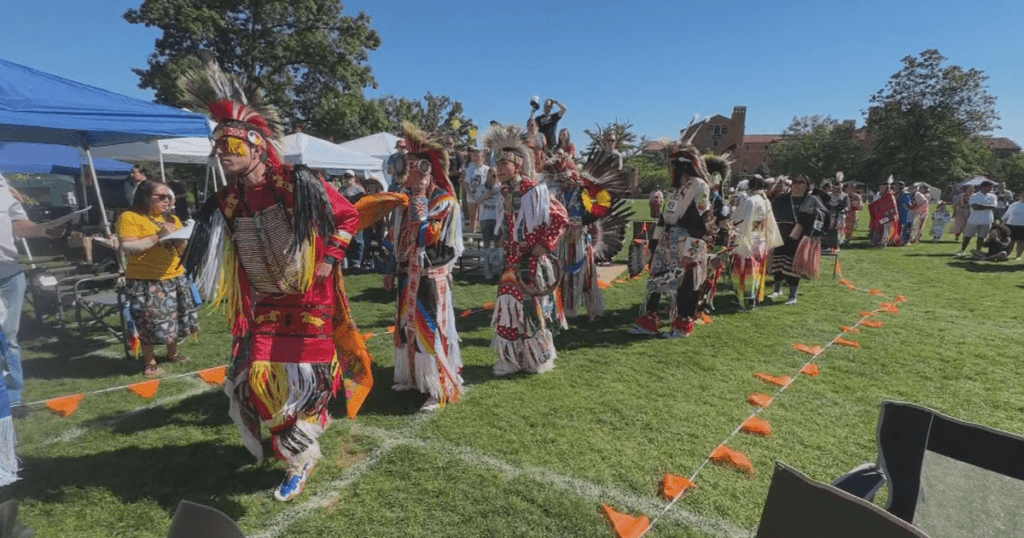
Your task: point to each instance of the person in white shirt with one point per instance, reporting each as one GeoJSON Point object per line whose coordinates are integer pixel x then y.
{"type": "Point", "coordinates": [488, 197]}
{"type": "Point", "coordinates": [476, 176]}
{"type": "Point", "coordinates": [983, 205]}
{"type": "Point", "coordinates": [1014, 220]}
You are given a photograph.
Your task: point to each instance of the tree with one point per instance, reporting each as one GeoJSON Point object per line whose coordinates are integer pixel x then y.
{"type": "Point", "coordinates": [627, 142]}
{"type": "Point", "coordinates": [1010, 170]}
{"type": "Point", "coordinates": [928, 119]}
{"type": "Point", "coordinates": [304, 53]}
{"type": "Point", "coordinates": [435, 113]}
{"type": "Point", "coordinates": [817, 146]}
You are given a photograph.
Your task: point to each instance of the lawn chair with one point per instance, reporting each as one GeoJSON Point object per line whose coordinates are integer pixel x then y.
{"type": "Point", "coordinates": [193, 520]}
{"type": "Point", "coordinates": [798, 507]}
{"type": "Point", "coordinates": [947, 477]}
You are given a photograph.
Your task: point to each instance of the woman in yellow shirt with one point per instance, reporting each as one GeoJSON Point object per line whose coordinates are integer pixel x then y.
{"type": "Point", "coordinates": [159, 295]}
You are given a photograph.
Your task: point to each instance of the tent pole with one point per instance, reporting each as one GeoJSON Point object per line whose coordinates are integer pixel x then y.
{"type": "Point", "coordinates": [99, 194]}
{"type": "Point", "coordinates": [163, 175]}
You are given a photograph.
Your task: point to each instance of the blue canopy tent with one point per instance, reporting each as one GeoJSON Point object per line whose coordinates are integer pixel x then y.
{"type": "Point", "coordinates": [43, 108]}
{"type": "Point", "coordinates": [20, 158]}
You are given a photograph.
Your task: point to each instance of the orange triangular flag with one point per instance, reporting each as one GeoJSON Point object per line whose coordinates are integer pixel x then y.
{"type": "Point", "coordinates": [780, 381]}
{"type": "Point", "coordinates": [674, 486]}
{"type": "Point", "coordinates": [146, 389]}
{"type": "Point", "coordinates": [889, 307]}
{"type": "Point", "coordinates": [759, 399]}
{"type": "Point", "coordinates": [866, 314]}
{"type": "Point", "coordinates": [875, 291]}
{"type": "Point", "coordinates": [368, 336]}
{"type": "Point", "coordinates": [215, 375]}
{"type": "Point", "coordinates": [901, 299]}
{"type": "Point", "coordinates": [811, 370]}
{"type": "Point", "coordinates": [603, 285]}
{"type": "Point", "coordinates": [845, 342]}
{"type": "Point", "coordinates": [810, 350]}
{"type": "Point", "coordinates": [391, 329]}
{"type": "Point", "coordinates": [757, 426]}
{"type": "Point", "coordinates": [487, 306]}
{"type": "Point", "coordinates": [873, 323]}
{"type": "Point", "coordinates": [734, 459]}
{"type": "Point", "coordinates": [704, 317]}
{"type": "Point", "coordinates": [466, 314]}
{"type": "Point", "coordinates": [65, 406]}
{"type": "Point", "coordinates": [626, 526]}
{"type": "Point", "coordinates": [850, 329]}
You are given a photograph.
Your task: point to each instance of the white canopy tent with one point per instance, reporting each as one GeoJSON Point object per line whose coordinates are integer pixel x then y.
{"type": "Point", "coordinates": [192, 150]}
{"type": "Point", "coordinates": [300, 148]}
{"type": "Point", "coordinates": [380, 145]}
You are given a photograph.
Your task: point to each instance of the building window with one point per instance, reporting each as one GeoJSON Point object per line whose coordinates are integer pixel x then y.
{"type": "Point", "coordinates": [718, 129]}
{"type": "Point", "coordinates": [714, 143]}
{"type": "Point", "coordinates": [725, 129]}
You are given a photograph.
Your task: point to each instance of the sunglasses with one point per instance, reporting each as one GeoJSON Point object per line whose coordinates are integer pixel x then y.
{"type": "Point", "coordinates": [232, 146]}
{"type": "Point", "coordinates": [162, 197]}
{"type": "Point", "coordinates": [423, 165]}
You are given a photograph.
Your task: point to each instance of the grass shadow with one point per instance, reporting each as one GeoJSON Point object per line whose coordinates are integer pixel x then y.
{"type": "Point", "coordinates": [208, 409]}
{"type": "Point", "coordinates": [205, 472]}
{"type": "Point", "coordinates": [374, 295]}
{"type": "Point", "coordinates": [978, 266]}
{"type": "Point", "coordinates": [92, 366]}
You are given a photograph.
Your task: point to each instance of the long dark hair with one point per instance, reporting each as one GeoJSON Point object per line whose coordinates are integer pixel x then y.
{"type": "Point", "coordinates": [143, 201]}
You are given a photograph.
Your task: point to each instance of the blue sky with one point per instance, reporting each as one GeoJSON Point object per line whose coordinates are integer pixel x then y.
{"type": "Point", "coordinates": [654, 63]}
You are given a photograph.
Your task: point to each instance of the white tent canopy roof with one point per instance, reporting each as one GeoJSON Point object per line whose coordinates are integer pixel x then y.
{"type": "Point", "coordinates": [379, 145]}
{"type": "Point", "coordinates": [171, 150]}
{"type": "Point", "coordinates": [975, 181]}
{"type": "Point", "coordinates": [300, 148]}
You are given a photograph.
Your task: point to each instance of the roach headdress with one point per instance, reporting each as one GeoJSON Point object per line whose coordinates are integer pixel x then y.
{"type": "Point", "coordinates": [424, 146]}
{"type": "Point", "coordinates": [508, 142]}
{"type": "Point", "coordinates": [238, 107]}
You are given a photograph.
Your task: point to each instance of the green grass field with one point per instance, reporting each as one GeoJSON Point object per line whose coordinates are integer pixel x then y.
{"type": "Point", "coordinates": [535, 456]}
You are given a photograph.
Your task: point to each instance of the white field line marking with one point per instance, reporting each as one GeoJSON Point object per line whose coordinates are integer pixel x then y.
{"type": "Point", "coordinates": [77, 431]}
{"type": "Point", "coordinates": [391, 439]}
{"type": "Point", "coordinates": [330, 492]}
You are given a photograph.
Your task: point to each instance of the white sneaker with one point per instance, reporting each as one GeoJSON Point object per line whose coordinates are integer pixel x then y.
{"type": "Point", "coordinates": [960, 254]}
{"type": "Point", "coordinates": [432, 404]}
{"type": "Point", "coordinates": [792, 301]}
{"type": "Point", "coordinates": [775, 295]}
{"type": "Point", "coordinates": [294, 483]}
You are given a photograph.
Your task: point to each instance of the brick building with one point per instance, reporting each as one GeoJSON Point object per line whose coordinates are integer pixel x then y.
{"type": "Point", "coordinates": [1003, 147]}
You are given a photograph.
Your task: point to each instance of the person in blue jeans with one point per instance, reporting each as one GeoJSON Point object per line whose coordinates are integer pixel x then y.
{"type": "Point", "coordinates": [13, 223]}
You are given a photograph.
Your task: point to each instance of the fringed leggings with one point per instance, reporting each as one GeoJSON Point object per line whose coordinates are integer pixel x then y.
{"type": "Point", "coordinates": [686, 298]}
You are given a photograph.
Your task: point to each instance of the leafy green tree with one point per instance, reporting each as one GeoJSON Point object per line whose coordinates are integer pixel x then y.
{"type": "Point", "coordinates": [435, 113]}
{"type": "Point", "coordinates": [1010, 170]}
{"type": "Point", "coordinates": [818, 146]}
{"type": "Point", "coordinates": [653, 173]}
{"type": "Point", "coordinates": [928, 119]}
{"type": "Point", "coordinates": [628, 143]}
{"type": "Point", "coordinates": [305, 53]}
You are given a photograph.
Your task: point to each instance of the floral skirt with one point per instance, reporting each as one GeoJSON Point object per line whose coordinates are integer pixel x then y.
{"type": "Point", "coordinates": [164, 311]}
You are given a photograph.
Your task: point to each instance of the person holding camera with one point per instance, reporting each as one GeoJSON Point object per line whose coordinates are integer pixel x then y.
{"type": "Point", "coordinates": [547, 123]}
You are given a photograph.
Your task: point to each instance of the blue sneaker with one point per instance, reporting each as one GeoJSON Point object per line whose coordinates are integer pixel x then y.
{"type": "Point", "coordinates": [293, 484]}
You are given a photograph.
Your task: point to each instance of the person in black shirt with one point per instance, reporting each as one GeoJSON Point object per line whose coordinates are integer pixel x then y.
{"type": "Point", "coordinates": [547, 123]}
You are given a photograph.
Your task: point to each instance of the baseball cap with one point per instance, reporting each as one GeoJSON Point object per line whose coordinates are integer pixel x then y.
{"type": "Point", "coordinates": [347, 173]}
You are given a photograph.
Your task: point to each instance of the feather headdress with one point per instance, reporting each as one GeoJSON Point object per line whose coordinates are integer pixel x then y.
{"type": "Point", "coordinates": [508, 142]}
{"type": "Point", "coordinates": [719, 165]}
{"type": "Point", "coordinates": [238, 107]}
{"type": "Point", "coordinates": [684, 159]}
{"type": "Point", "coordinates": [425, 146]}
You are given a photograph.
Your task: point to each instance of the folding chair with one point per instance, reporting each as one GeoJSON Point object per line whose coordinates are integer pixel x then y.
{"type": "Point", "coordinates": [193, 520]}
{"type": "Point", "coordinates": [947, 477]}
{"type": "Point", "coordinates": [798, 507]}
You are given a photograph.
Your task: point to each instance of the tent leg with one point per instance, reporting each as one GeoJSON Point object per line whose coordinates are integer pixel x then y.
{"type": "Point", "coordinates": [163, 175]}
{"type": "Point", "coordinates": [99, 194]}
